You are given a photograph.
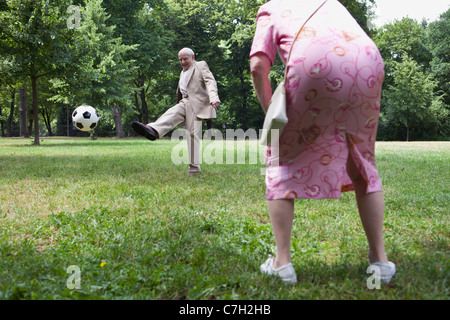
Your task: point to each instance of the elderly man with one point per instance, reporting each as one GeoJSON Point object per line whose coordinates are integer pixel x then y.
{"type": "Point", "coordinates": [197, 100]}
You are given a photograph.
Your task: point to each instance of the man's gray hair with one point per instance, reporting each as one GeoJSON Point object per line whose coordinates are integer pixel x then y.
{"type": "Point", "coordinates": [189, 51]}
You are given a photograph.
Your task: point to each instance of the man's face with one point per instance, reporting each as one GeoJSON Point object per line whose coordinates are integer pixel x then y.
{"type": "Point", "coordinates": [186, 60]}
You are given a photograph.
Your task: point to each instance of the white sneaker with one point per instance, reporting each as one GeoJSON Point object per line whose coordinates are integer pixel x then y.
{"type": "Point", "coordinates": [286, 272]}
{"type": "Point", "coordinates": [387, 271]}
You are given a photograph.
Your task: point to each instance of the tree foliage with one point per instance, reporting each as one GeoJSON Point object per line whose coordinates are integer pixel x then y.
{"type": "Point", "coordinates": [414, 105]}
{"type": "Point", "coordinates": [36, 42]}
{"type": "Point", "coordinates": [410, 99]}
{"type": "Point", "coordinates": [122, 58]}
{"type": "Point", "coordinates": [439, 46]}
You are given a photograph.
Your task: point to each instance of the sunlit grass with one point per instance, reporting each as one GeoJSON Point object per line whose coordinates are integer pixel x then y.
{"type": "Point", "coordinates": [140, 228]}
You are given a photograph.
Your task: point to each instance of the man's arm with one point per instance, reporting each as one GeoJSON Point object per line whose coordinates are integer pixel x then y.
{"type": "Point", "coordinates": [211, 85]}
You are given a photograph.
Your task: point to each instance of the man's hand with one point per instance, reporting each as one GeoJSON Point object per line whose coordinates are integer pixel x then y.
{"type": "Point", "coordinates": [215, 105]}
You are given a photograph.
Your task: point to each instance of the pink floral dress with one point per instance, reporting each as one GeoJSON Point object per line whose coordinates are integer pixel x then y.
{"type": "Point", "coordinates": [333, 84]}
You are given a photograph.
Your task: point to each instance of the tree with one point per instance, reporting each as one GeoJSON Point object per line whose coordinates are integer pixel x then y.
{"type": "Point", "coordinates": [102, 78]}
{"type": "Point", "coordinates": [410, 100]}
{"type": "Point", "coordinates": [7, 118]}
{"type": "Point", "coordinates": [9, 81]}
{"type": "Point", "coordinates": [37, 41]}
{"type": "Point", "coordinates": [114, 85]}
{"type": "Point", "coordinates": [135, 24]}
{"type": "Point", "coordinates": [47, 108]}
{"type": "Point", "coordinates": [200, 25]}
{"type": "Point", "coordinates": [439, 44]}
{"type": "Point", "coordinates": [362, 11]}
{"type": "Point", "coordinates": [23, 112]}
{"type": "Point", "coordinates": [241, 105]}
{"type": "Point", "coordinates": [402, 38]}
{"type": "Point", "coordinates": [415, 58]}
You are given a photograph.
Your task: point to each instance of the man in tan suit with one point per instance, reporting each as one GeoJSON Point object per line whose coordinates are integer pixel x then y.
{"type": "Point", "coordinates": [197, 100]}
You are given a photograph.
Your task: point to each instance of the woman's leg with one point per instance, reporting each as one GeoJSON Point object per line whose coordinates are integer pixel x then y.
{"type": "Point", "coordinates": [281, 215]}
{"type": "Point", "coordinates": [371, 211]}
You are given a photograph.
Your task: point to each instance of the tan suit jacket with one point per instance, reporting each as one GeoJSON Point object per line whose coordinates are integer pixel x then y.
{"type": "Point", "coordinates": [202, 90]}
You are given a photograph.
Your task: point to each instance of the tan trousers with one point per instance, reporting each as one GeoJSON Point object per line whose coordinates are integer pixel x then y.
{"type": "Point", "coordinates": [183, 113]}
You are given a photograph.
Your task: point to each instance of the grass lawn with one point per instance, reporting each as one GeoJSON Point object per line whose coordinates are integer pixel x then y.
{"type": "Point", "coordinates": [137, 227]}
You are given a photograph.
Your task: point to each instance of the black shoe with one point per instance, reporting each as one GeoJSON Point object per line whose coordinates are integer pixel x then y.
{"type": "Point", "coordinates": [144, 130]}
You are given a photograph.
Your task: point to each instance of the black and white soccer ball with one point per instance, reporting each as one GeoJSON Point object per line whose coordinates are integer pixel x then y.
{"type": "Point", "coordinates": [85, 118]}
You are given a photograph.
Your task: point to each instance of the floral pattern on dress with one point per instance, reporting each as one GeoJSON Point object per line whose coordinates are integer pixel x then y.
{"type": "Point", "coordinates": [333, 86]}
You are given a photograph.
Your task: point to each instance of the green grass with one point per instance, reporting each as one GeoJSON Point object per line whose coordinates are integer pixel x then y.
{"type": "Point", "coordinates": [139, 228]}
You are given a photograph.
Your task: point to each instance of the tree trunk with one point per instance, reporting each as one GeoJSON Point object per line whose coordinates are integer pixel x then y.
{"type": "Point", "coordinates": [117, 113]}
{"type": "Point", "coordinates": [23, 110]}
{"type": "Point", "coordinates": [30, 123]}
{"type": "Point", "coordinates": [11, 114]}
{"type": "Point", "coordinates": [138, 108]}
{"type": "Point", "coordinates": [93, 135]}
{"type": "Point", "coordinates": [407, 133]}
{"type": "Point", "coordinates": [47, 121]}
{"type": "Point", "coordinates": [35, 110]}
{"type": "Point", "coordinates": [1, 123]}
{"type": "Point", "coordinates": [144, 107]}
{"type": "Point", "coordinates": [244, 101]}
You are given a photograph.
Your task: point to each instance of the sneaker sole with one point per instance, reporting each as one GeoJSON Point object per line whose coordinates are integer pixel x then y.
{"type": "Point", "coordinates": [289, 280]}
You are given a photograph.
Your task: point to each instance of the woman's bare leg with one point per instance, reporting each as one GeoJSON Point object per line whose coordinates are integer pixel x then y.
{"type": "Point", "coordinates": [371, 212]}
{"type": "Point", "coordinates": [281, 215]}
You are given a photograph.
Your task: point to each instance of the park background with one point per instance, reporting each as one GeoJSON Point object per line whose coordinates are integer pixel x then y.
{"type": "Point", "coordinates": [134, 224]}
{"type": "Point", "coordinates": [121, 58]}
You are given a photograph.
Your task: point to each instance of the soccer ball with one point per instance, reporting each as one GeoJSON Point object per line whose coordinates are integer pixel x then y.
{"type": "Point", "coordinates": [85, 118]}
